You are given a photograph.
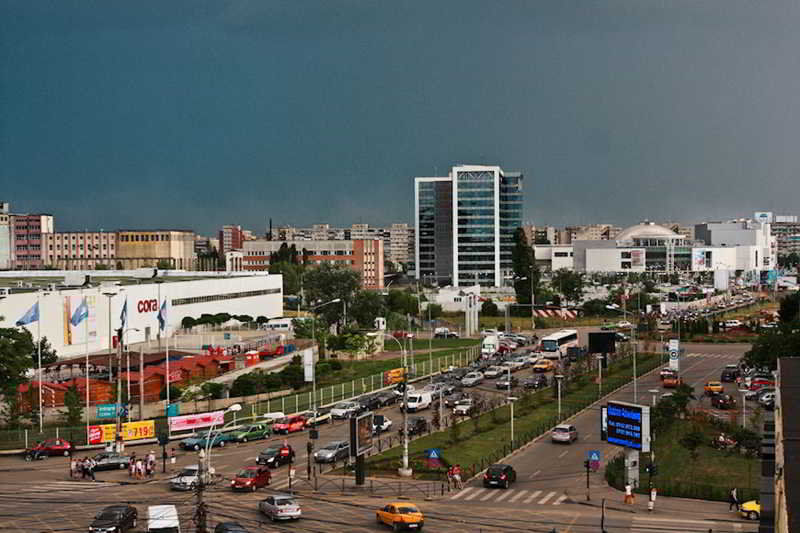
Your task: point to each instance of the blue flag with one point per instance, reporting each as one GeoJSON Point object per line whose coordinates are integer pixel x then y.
{"type": "Point", "coordinates": [123, 316]}
{"type": "Point", "coordinates": [162, 316]}
{"type": "Point", "coordinates": [31, 316]}
{"type": "Point", "coordinates": [80, 314]}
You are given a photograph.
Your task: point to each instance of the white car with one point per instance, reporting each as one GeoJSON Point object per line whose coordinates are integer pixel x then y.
{"type": "Point", "coordinates": [518, 363]}
{"type": "Point", "coordinates": [493, 371]}
{"type": "Point", "coordinates": [189, 478]}
{"type": "Point", "coordinates": [280, 507]}
{"type": "Point", "coordinates": [487, 332]}
{"type": "Point", "coordinates": [463, 407]}
{"type": "Point", "coordinates": [624, 325]}
{"type": "Point", "coordinates": [410, 388]}
{"type": "Point", "coordinates": [564, 433]}
{"type": "Point", "coordinates": [345, 409]}
{"type": "Point", "coordinates": [380, 424]}
{"type": "Point", "coordinates": [472, 379]}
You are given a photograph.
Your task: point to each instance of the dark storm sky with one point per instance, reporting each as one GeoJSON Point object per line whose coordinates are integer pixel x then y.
{"type": "Point", "coordinates": [201, 113]}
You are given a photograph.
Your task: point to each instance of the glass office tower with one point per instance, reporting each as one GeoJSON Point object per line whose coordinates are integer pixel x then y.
{"type": "Point", "coordinates": [465, 225]}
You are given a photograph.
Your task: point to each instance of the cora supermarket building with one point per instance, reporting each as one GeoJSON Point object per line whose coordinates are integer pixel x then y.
{"type": "Point", "coordinates": [74, 318]}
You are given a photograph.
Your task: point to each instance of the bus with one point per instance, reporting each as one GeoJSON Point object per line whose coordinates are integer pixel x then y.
{"type": "Point", "coordinates": [555, 346]}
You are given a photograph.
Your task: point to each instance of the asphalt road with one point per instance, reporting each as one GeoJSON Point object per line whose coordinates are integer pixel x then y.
{"type": "Point", "coordinates": [549, 493]}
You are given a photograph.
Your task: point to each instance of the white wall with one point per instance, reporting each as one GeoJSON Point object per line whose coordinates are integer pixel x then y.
{"type": "Point", "coordinates": [143, 304]}
{"type": "Point", "coordinates": [609, 260]}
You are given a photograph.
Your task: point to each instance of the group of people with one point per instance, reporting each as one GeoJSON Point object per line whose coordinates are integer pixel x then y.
{"type": "Point", "coordinates": [142, 467]}
{"type": "Point", "coordinates": [454, 477]}
{"type": "Point", "coordinates": [82, 468]}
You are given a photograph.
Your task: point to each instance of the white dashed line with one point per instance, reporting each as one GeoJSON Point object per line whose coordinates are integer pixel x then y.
{"type": "Point", "coordinates": [532, 496]}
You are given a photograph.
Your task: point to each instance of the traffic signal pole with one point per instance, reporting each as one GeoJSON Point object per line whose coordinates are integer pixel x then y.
{"type": "Point", "coordinates": [588, 467]}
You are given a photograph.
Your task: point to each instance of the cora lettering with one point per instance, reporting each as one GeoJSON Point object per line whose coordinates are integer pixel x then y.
{"type": "Point", "coordinates": [147, 306]}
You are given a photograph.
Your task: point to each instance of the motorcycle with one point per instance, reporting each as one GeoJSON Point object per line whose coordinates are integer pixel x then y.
{"type": "Point", "coordinates": [723, 442]}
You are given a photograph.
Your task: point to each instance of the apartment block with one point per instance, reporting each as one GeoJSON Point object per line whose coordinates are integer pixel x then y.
{"type": "Point", "coordinates": [80, 250]}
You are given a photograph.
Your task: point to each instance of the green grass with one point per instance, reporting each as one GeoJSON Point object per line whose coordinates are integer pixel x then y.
{"type": "Point", "coordinates": [710, 477]}
{"type": "Point", "coordinates": [436, 344]}
{"type": "Point", "coordinates": [489, 440]}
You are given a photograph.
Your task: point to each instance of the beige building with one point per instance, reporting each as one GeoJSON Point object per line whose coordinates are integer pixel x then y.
{"type": "Point", "coordinates": [80, 250]}
{"type": "Point", "coordinates": [146, 248]}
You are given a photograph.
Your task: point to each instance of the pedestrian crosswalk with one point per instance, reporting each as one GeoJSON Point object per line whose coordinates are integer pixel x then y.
{"type": "Point", "coordinates": [56, 487]}
{"type": "Point", "coordinates": [714, 355]}
{"type": "Point", "coordinates": [511, 496]}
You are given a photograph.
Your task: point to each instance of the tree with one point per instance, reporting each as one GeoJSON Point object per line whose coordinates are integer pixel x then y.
{"type": "Point", "coordinates": [402, 302]}
{"type": "Point", "coordinates": [692, 441]}
{"type": "Point", "coordinates": [367, 305]}
{"type": "Point", "coordinates": [568, 283]}
{"type": "Point", "coordinates": [72, 402]}
{"type": "Point", "coordinates": [489, 308]}
{"type": "Point", "coordinates": [174, 393]}
{"type": "Point", "coordinates": [682, 396]}
{"type": "Point", "coordinates": [292, 274]}
{"type": "Point", "coordinates": [188, 322]}
{"type": "Point", "coordinates": [434, 311]}
{"type": "Point", "coordinates": [789, 308]}
{"type": "Point", "coordinates": [328, 282]}
{"type": "Point", "coordinates": [49, 354]}
{"type": "Point", "coordinates": [212, 390]}
{"type": "Point", "coordinates": [16, 349]}
{"type": "Point", "coordinates": [164, 264]}
{"type": "Point", "coordinates": [524, 265]}
{"type": "Point", "coordinates": [285, 254]}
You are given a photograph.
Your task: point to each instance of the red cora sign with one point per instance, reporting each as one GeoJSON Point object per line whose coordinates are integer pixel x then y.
{"type": "Point", "coordinates": [147, 306]}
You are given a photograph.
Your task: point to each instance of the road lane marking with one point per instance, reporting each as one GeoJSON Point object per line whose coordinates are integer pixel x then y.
{"type": "Point", "coordinates": [562, 454]}
{"type": "Point", "coordinates": [503, 495]}
{"type": "Point", "coordinates": [546, 498]}
{"type": "Point", "coordinates": [461, 493]}
{"type": "Point", "coordinates": [588, 436]}
{"type": "Point", "coordinates": [477, 492]}
{"type": "Point", "coordinates": [535, 474]}
{"type": "Point", "coordinates": [488, 495]}
{"type": "Point", "coordinates": [532, 496]}
{"type": "Point", "coordinates": [560, 499]}
{"type": "Point", "coordinates": [518, 495]}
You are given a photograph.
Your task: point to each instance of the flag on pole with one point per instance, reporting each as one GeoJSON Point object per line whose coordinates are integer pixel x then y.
{"type": "Point", "coordinates": [123, 316]}
{"type": "Point", "coordinates": [31, 316]}
{"type": "Point", "coordinates": [81, 313]}
{"type": "Point", "coordinates": [162, 316]}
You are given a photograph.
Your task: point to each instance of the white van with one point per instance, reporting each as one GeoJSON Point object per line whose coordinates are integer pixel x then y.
{"type": "Point", "coordinates": [419, 401]}
{"type": "Point", "coordinates": [163, 519]}
{"type": "Point", "coordinates": [489, 345]}
{"type": "Point", "coordinates": [280, 325]}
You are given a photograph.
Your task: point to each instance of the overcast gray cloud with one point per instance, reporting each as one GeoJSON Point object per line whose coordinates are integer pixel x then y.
{"type": "Point", "coordinates": [201, 113]}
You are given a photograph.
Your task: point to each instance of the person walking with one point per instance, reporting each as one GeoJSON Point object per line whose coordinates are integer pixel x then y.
{"type": "Point", "coordinates": [450, 478]}
{"type": "Point", "coordinates": [82, 466]}
{"type": "Point", "coordinates": [90, 464]}
{"type": "Point", "coordinates": [629, 499]}
{"type": "Point", "coordinates": [457, 476]}
{"type": "Point", "coordinates": [73, 468]}
{"type": "Point", "coordinates": [733, 501]}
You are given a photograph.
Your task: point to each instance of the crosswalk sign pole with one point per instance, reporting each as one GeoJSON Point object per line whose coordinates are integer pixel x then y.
{"type": "Point", "coordinates": [587, 465]}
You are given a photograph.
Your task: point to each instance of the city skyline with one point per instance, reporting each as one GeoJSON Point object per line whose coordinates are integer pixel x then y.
{"type": "Point", "coordinates": [201, 114]}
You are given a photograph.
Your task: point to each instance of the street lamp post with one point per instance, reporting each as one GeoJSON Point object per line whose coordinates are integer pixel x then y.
{"type": "Point", "coordinates": [314, 375]}
{"type": "Point", "coordinates": [654, 392]}
{"type": "Point", "coordinates": [404, 471]}
{"type": "Point", "coordinates": [600, 374]}
{"type": "Point", "coordinates": [744, 407]}
{"type": "Point", "coordinates": [559, 377]}
{"type": "Point", "coordinates": [210, 438]}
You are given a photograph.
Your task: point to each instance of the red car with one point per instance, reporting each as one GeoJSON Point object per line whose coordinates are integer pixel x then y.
{"type": "Point", "coordinates": [251, 478]}
{"type": "Point", "coordinates": [758, 383]}
{"type": "Point", "coordinates": [49, 448]}
{"type": "Point", "coordinates": [402, 335]}
{"type": "Point", "coordinates": [290, 424]}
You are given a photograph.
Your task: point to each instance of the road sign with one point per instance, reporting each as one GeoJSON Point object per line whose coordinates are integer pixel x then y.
{"type": "Point", "coordinates": [433, 453]}
{"type": "Point", "coordinates": [674, 354]}
{"type": "Point", "coordinates": [595, 458]}
{"type": "Point", "coordinates": [107, 410]}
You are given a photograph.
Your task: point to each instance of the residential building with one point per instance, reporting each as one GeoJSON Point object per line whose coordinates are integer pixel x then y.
{"type": "Point", "coordinates": [398, 243]}
{"type": "Point", "coordinates": [365, 256]}
{"type": "Point", "coordinates": [230, 238]}
{"type": "Point", "coordinates": [27, 233]}
{"type": "Point", "coordinates": [785, 229]}
{"type": "Point", "coordinates": [171, 248]}
{"type": "Point", "coordinates": [465, 225]}
{"type": "Point", "coordinates": [592, 232]}
{"type": "Point", "coordinates": [80, 250]}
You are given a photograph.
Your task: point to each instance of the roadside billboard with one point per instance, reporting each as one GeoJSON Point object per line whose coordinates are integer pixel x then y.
{"type": "Point", "coordinates": [360, 434]}
{"type": "Point", "coordinates": [130, 431]}
{"type": "Point", "coordinates": [628, 425]}
{"type": "Point", "coordinates": [203, 420]}
{"type": "Point", "coordinates": [390, 377]}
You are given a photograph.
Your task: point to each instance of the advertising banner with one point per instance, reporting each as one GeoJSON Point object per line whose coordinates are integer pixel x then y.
{"type": "Point", "coordinates": [130, 431]}
{"type": "Point", "coordinates": [80, 318]}
{"type": "Point", "coordinates": [637, 258]}
{"type": "Point", "coordinates": [308, 365]}
{"type": "Point", "coordinates": [106, 410]}
{"type": "Point", "coordinates": [629, 425]}
{"type": "Point", "coordinates": [360, 434]}
{"type": "Point", "coordinates": [699, 259]}
{"type": "Point", "coordinates": [203, 420]}
{"type": "Point", "coordinates": [390, 377]}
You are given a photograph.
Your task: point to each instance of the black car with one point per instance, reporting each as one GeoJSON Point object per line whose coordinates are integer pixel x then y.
{"type": "Point", "coordinates": [275, 456]}
{"type": "Point", "coordinates": [499, 475]}
{"type": "Point", "coordinates": [417, 425]}
{"type": "Point", "coordinates": [723, 401]}
{"type": "Point", "coordinates": [535, 382]}
{"type": "Point", "coordinates": [116, 518]}
{"type": "Point", "coordinates": [454, 398]}
{"type": "Point", "coordinates": [111, 461]}
{"type": "Point", "coordinates": [502, 383]}
{"type": "Point", "coordinates": [387, 398]}
{"type": "Point", "coordinates": [369, 402]}
{"type": "Point", "coordinates": [230, 527]}
{"type": "Point", "coordinates": [728, 375]}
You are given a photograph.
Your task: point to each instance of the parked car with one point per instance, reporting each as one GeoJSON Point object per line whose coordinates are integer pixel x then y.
{"type": "Point", "coordinates": [380, 424]}
{"type": "Point", "coordinates": [624, 324]}
{"type": "Point", "coordinates": [337, 450]}
{"type": "Point", "coordinates": [251, 432]}
{"type": "Point", "coordinates": [111, 461]}
{"type": "Point", "coordinates": [115, 518]}
{"type": "Point", "coordinates": [435, 388]}
{"type": "Point", "coordinates": [723, 401]}
{"type": "Point", "coordinates": [387, 398]}
{"type": "Point", "coordinates": [621, 337]}
{"type": "Point", "coordinates": [189, 478]}
{"type": "Point", "coordinates": [499, 475]}
{"type": "Point", "coordinates": [280, 507]}
{"type": "Point", "coordinates": [728, 375]}
{"type": "Point", "coordinates": [750, 510]}
{"type": "Point", "coordinates": [758, 393]}
{"type": "Point", "coordinates": [608, 327]}
{"type": "Point", "coordinates": [369, 402]}
{"type": "Point", "coordinates": [345, 410]}
{"type": "Point", "coordinates": [564, 433]}
{"type": "Point", "coordinates": [251, 478]}
{"type": "Point", "coordinates": [401, 515]}
{"type": "Point", "coordinates": [767, 398]}
{"type": "Point", "coordinates": [535, 382]}
{"type": "Point", "coordinates": [417, 425]}
{"type": "Point", "coordinates": [666, 371]}
{"type": "Point", "coordinates": [418, 401]}
{"type": "Point", "coordinates": [503, 383]}
{"type": "Point", "coordinates": [454, 398]}
{"type": "Point", "coordinates": [49, 448]}
{"type": "Point", "coordinates": [323, 416]}
{"type": "Point", "coordinates": [290, 424]}
{"type": "Point", "coordinates": [472, 379]}
{"type": "Point", "coordinates": [230, 527]}
{"type": "Point", "coordinates": [275, 456]}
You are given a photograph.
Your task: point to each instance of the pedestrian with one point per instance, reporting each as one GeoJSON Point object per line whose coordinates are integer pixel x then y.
{"type": "Point", "coordinates": [629, 499]}
{"type": "Point", "coordinates": [132, 465]}
{"type": "Point", "coordinates": [73, 468]}
{"type": "Point", "coordinates": [172, 458]}
{"type": "Point", "coordinates": [450, 478]}
{"type": "Point", "coordinates": [733, 502]}
{"type": "Point", "coordinates": [83, 467]}
{"type": "Point", "coordinates": [90, 466]}
{"type": "Point", "coordinates": [139, 468]}
{"type": "Point", "coordinates": [457, 476]}
{"type": "Point", "coordinates": [151, 463]}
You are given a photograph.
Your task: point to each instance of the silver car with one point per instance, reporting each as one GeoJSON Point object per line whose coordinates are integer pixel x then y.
{"type": "Point", "coordinates": [345, 409]}
{"type": "Point", "coordinates": [564, 433]}
{"type": "Point", "coordinates": [472, 379]}
{"type": "Point", "coordinates": [280, 507]}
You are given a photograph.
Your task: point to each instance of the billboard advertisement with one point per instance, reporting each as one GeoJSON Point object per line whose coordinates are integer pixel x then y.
{"type": "Point", "coordinates": [360, 434]}
{"type": "Point", "coordinates": [80, 319]}
{"type": "Point", "coordinates": [637, 258]}
{"type": "Point", "coordinates": [130, 431]}
{"type": "Point", "coordinates": [390, 377]}
{"type": "Point", "coordinates": [203, 420]}
{"type": "Point", "coordinates": [628, 425]}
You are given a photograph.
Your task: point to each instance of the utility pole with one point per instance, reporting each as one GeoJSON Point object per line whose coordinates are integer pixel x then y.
{"type": "Point", "coordinates": [533, 305]}
{"type": "Point", "coordinates": [141, 382]}
{"type": "Point", "coordinates": [200, 512]}
{"type": "Point", "coordinates": [119, 394]}
{"type": "Point", "coordinates": [588, 467]}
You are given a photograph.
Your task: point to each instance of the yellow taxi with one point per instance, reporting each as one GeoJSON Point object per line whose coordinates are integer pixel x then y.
{"type": "Point", "coordinates": [401, 515]}
{"type": "Point", "coordinates": [750, 510]}
{"type": "Point", "coordinates": [543, 365]}
{"type": "Point", "coordinates": [713, 387]}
